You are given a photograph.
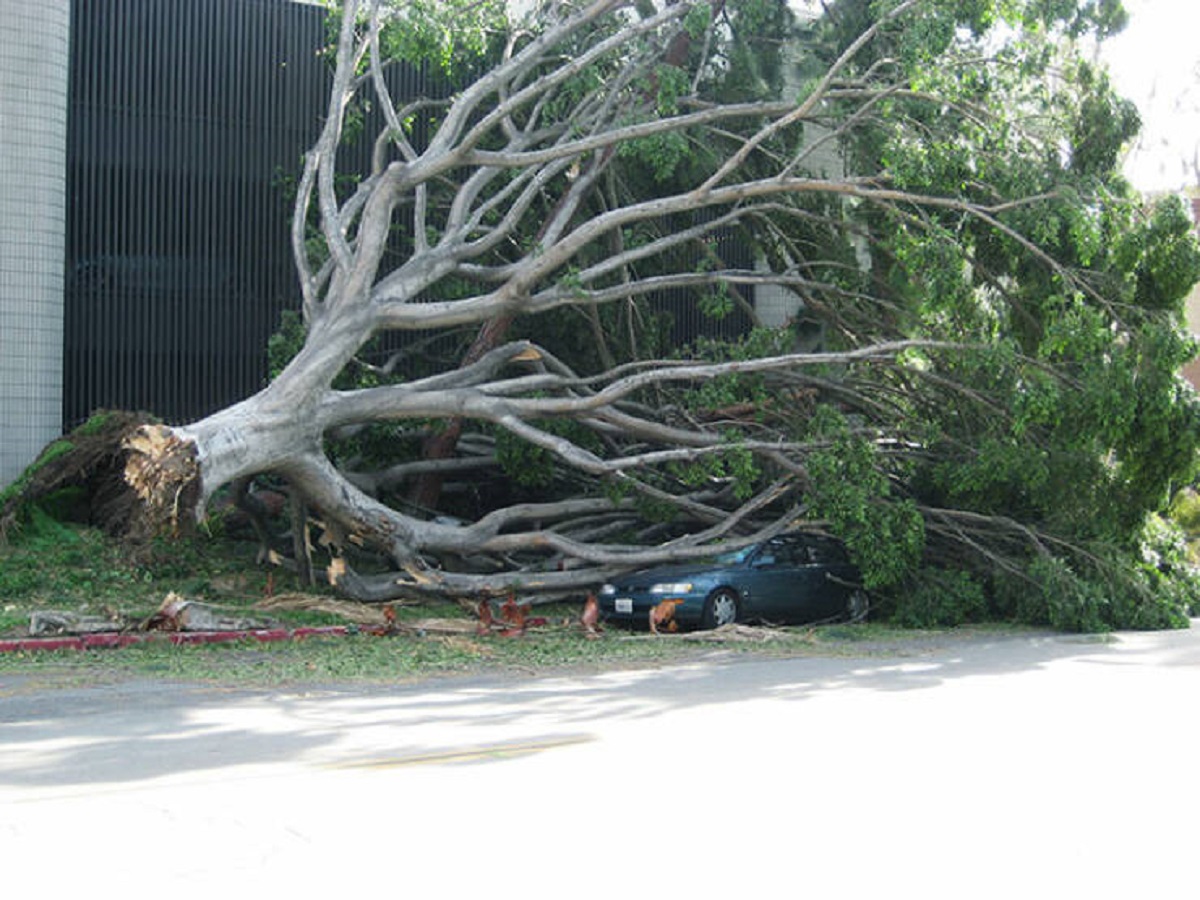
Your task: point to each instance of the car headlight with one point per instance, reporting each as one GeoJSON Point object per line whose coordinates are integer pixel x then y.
{"type": "Point", "coordinates": [678, 587]}
{"type": "Point", "coordinates": [608, 590]}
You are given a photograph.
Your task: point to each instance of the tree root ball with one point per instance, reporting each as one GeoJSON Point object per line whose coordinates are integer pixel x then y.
{"type": "Point", "coordinates": [119, 471]}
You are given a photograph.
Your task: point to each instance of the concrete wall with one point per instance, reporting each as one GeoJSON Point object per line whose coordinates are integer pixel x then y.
{"type": "Point", "coordinates": [1192, 370]}
{"type": "Point", "coordinates": [774, 304]}
{"type": "Point", "coordinates": [34, 39]}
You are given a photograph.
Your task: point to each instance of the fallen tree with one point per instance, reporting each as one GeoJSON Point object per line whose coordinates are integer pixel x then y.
{"type": "Point", "coordinates": [997, 313]}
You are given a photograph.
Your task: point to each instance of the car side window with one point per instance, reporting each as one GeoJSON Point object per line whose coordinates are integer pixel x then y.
{"type": "Point", "coordinates": [773, 553]}
{"type": "Point", "coordinates": [808, 551]}
{"type": "Point", "coordinates": [792, 553]}
{"type": "Point", "coordinates": [828, 553]}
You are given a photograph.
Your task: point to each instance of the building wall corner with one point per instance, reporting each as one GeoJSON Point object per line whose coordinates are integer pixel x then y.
{"type": "Point", "coordinates": [34, 69]}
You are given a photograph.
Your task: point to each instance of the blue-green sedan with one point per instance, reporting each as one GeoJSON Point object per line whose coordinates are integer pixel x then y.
{"type": "Point", "coordinates": [792, 578]}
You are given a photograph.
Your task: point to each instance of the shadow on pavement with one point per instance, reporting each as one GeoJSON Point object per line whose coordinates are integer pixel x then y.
{"type": "Point", "coordinates": [138, 731]}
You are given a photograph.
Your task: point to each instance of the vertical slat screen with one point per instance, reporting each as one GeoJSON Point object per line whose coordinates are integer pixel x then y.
{"type": "Point", "coordinates": [186, 118]}
{"type": "Point", "coordinates": [187, 123]}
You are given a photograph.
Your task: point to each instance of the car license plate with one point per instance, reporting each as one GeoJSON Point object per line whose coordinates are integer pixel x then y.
{"type": "Point", "coordinates": [624, 605]}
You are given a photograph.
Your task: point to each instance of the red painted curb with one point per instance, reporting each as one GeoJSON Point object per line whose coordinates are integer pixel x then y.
{"type": "Point", "coordinates": [99, 641]}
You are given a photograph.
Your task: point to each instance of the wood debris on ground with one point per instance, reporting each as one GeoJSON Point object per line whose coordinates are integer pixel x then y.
{"type": "Point", "coordinates": [53, 622]}
{"type": "Point", "coordinates": [350, 610]}
{"type": "Point", "coordinates": [737, 632]}
{"type": "Point", "coordinates": [177, 613]}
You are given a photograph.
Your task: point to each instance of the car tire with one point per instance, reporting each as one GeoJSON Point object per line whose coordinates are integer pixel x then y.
{"type": "Point", "coordinates": [722, 607]}
{"type": "Point", "coordinates": [857, 605]}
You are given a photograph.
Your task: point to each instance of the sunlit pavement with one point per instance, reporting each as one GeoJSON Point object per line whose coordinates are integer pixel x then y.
{"type": "Point", "coordinates": [1015, 767]}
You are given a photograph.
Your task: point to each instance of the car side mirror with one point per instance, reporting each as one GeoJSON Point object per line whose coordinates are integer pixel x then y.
{"type": "Point", "coordinates": [765, 559]}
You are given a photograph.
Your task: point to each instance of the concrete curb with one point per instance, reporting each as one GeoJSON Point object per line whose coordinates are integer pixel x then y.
{"type": "Point", "coordinates": [117, 640]}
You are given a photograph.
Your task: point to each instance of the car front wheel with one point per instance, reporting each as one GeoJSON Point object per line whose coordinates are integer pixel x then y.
{"type": "Point", "coordinates": [721, 608]}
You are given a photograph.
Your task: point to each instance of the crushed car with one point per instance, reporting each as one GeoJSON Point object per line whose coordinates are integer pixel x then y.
{"type": "Point", "coordinates": [793, 578]}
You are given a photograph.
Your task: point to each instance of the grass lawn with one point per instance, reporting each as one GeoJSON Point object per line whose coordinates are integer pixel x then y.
{"type": "Point", "coordinates": [51, 566]}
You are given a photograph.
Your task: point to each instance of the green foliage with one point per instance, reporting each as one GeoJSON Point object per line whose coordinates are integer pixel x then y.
{"type": "Point", "coordinates": [934, 597]}
{"type": "Point", "coordinates": [717, 303]}
{"type": "Point", "coordinates": [655, 510]}
{"type": "Point", "coordinates": [696, 22]}
{"type": "Point", "coordinates": [740, 466]}
{"type": "Point", "coordinates": [1066, 413]}
{"type": "Point", "coordinates": [285, 343]}
{"type": "Point", "coordinates": [755, 56]}
{"type": "Point", "coordinates": [661, 154]}
{"type": "Point", "coordinates": [735, 388]}
{"type": "Point", "coordinates": [450, 35]}
{"type": "Point", "coordinates": [96, 423]}
{"type": "Point", "coordinates": [532, 466]}
{"type": "Point", "coordinates": [1065, 600]}
{"type": "Point", "coordinates": [735, 465]}
{"type": "Point", "coordinates": [527, 464]}
{"type": "Point", "coordinates": [1103, 124]}
{"type": "Point", "coordinates": [1152, 587]}
{"type": "Point", "coordinates": [1169, 572]}
{"type": "Point", "coordinates": [1184, 512]}
{"type": "Point", "coordinates": [1140, 597]}
{"type": "Point", "coordinates": [1057, 417]}
{"type": "Point", "coordinates": [375, 447]}
{"type": "Point", "coordinates": [850, 488]}
{"type": "Point", "coordinates": [1163, 255]}
{"type": "Point", "coordinates": [54, 450]}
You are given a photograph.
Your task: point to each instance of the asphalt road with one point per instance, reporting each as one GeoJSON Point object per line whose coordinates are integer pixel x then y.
{"type": "Point", "coordinates": [1015, 767]}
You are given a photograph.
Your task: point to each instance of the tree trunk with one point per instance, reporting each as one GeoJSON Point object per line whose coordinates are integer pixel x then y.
{"type": "Point", "coordinates": [176, 470]}
{"type": "Point", "coordinates": [498, 207]}
{"type": "Point", "coordinates": [427, 490]}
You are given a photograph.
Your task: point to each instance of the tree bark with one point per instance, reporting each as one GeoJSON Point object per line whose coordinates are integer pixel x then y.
{"type": "Point", "coordinates": [500, 203]}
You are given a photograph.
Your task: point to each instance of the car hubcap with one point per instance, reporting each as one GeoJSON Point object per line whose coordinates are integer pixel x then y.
{"type": "Point", "coordinates": [724, 610]}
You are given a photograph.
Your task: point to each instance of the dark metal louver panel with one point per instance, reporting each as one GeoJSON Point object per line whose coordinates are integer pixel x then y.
{"type": "Point", "coordinates": [187, 123]}
{"type": "Point", "coordinates": [188, 119]}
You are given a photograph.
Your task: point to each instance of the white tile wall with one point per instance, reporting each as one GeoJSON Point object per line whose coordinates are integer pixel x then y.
{"type": "Point", "coordinates": [33, 128]}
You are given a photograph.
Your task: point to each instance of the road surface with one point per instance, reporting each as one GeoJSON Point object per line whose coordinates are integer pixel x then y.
{"type": "Point", "coordinates": [1007, 767]}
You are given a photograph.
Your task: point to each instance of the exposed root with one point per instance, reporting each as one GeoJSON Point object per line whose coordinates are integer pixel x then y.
{"type": "Point", "coordinates": [164, 472]}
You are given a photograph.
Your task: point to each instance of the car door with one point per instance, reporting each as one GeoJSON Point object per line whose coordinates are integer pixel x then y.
{"type": "Point", "coordinates": [779, 580]}
{"type": "Point", "coordinates": [798, 578]}
{"type": "Point", "coordinates": [830, 579]}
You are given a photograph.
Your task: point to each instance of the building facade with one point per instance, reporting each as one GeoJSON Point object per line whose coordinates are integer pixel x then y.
{"type": "Point", "coordinates": [150, 151]}
{"type": "Point", "coordinates": [146, 147]}
{"type": "Point", "coordinates": [34, 53]}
